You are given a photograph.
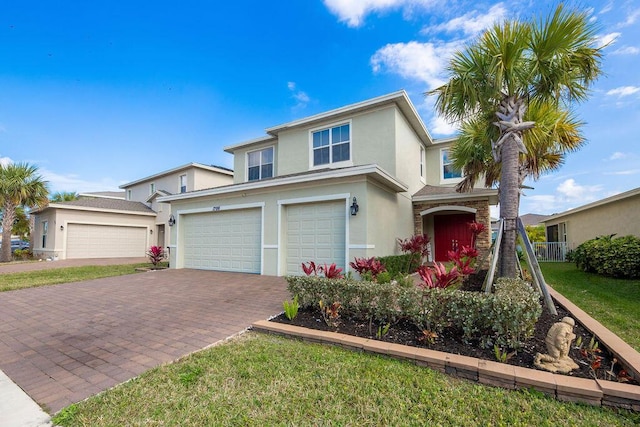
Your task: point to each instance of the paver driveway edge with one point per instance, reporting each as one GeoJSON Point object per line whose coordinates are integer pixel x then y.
{"type": "Point", "coordinates": [64, 343]}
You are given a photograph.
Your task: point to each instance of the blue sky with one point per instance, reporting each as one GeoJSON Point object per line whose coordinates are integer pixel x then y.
{"type": "Point", "coordinates": [97, 94]}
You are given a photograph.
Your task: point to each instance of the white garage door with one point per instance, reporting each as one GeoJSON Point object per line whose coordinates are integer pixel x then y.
{"type": "Point", "coordinates": [105, 241]}
{"type": "Point", "coordinates": [315, 232]}
{"type": "Point", "coordinates": [225, 240]}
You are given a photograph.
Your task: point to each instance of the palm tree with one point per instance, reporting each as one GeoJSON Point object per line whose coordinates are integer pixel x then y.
{"type": "Point", "coordinates": [501, 85]}
{"type": "Point", "coordinates": [20, 185]}
{"type": "Point", "coordinates": [64, 196]}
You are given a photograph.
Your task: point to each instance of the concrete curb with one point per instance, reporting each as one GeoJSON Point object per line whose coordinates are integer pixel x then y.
{"type": "Point", "coordinates": [17, 408]}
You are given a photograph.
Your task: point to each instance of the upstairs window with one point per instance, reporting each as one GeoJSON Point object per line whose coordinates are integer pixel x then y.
{"type": "Point", "coordinates": [152, 188]}
{"type": "Point", "coordinates": [260, 164]}
{"type": "Point", "coordinates": [128, 194]}
{"type": "Point", "coordinates": [45, 230]}
{"type": "Point", "coordinates": [183, 183]}
{"type": "Point", "coordinates": [331, 145]}
{"type": "Point", "coordinates": [448, 171]}
{"type": "Point", "coordinates": [422, 163]}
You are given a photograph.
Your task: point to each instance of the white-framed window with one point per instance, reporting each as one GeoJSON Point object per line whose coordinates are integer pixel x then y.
{"type": "Point", "coordinates": [422, 171]}
{"type": "Point", "coordinates": [128, 194]}
{"type": "Point", "coordinates": [448, 172]}
{"type": "Point", "coordinates": [152, 188]}
{"type": "Point", "coordinates": [331, 145]}
{"type": "Point", "coordinates": [260, 164]}
{"type": "Point", "coordinates": [45, 230]}
{"type": "Point", "coordinates": [183, 183]}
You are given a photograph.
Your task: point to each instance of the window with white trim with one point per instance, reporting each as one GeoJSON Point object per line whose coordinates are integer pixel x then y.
{"type": "Point", "coordinates": [331, 145]}
{"type": "Point", "coordinates": [183, 183]}
{"type": "Point", "coordinates": [448, 171]}
{"type": "Point", "coordinates": [152, 188]}
{"type": "Point", "coordinates": [422, 163]}
{"type": "Point", "coordinates": [128, 194]}
{"type": "Point", "coordinates": [45, 229]}
{"type": "Point", "coordinates": [260, 164]}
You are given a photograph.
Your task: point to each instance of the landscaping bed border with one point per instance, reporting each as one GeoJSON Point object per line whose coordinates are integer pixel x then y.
{"type": "Point", "coordinates": [562, 387]}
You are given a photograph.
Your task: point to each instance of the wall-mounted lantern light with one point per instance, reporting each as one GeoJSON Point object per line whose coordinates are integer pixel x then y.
{"type": "Point", "coordinates": [150, 231]}
{"type": "Point", "coordinates": [61, 227]}
{"type": "Point", "coordinates": [172, 220]}
{"type": "Point", "coordinates": [354, 207]}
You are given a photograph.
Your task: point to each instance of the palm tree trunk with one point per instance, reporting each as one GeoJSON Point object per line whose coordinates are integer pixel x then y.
{"type": "Point", "coordinates": [8, 217]}
{"type": "Point", "coordinates": [507, 149]}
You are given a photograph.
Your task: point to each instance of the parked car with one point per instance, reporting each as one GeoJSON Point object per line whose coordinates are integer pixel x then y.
{"type": "Point", "coordinates": [19, 244]}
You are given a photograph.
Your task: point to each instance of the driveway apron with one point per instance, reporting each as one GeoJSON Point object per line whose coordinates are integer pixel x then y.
{"type": "Point", "coordinates": [64, 343]}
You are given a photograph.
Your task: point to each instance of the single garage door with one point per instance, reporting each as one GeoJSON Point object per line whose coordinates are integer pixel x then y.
{"type": "Point", "coordinates": [315, 232]}
{"type": "Point", "coordinates": [105, 241]}
{"type": "Point", "coordinates": [224, 240]}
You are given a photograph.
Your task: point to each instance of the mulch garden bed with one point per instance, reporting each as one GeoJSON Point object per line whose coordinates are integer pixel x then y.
{"type": "Point", "coordinates": [405, 333]}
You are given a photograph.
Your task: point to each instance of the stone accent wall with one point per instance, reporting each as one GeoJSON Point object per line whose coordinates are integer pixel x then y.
{"type": "Point", "coordinates": [483, 216]}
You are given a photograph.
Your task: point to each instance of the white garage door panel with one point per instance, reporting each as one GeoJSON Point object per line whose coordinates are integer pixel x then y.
{"type": "Point", "coordinates": [315, 232]}
{"type": "Point", "coordinates": [226, 240]}
{"type": "Point", "coordinates": [105, 241]}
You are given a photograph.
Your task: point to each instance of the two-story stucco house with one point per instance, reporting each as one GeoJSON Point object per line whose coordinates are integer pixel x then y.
{"type": "Point", "coordinates": [327, 188]}
{"type": "Point", "coordinates": [113, 225]}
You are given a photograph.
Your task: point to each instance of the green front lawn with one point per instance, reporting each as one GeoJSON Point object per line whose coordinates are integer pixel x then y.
{"type": "Point", "coordinates": [264, 380]}
{"type": "Point", "coordinates": [612, 302]}
{"type": "Point", "coordinates": [54, 276]}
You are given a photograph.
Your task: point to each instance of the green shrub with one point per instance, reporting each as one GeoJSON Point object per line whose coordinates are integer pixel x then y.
{"type": "Point", "coordinates": [397, 264]}
{"type": "Point", "coordinates": [604, 255]}
{"type": "Point", "coordinates": [506, 317]}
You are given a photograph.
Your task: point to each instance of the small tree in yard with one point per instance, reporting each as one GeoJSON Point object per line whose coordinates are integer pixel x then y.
{"type": "Point", "coordinates": [511, 92]}
{"type": "Point", "coordinates": [156, 255]}
{"type": "Point", "coordinates": [20, 185]}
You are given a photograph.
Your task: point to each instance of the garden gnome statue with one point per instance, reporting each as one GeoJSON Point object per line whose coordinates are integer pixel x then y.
{"type": "Point", "coordinates": [558, 340]}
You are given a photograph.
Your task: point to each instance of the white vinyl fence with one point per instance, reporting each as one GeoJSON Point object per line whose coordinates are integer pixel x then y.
{"type": "Point", "coordinates": [551, 251]}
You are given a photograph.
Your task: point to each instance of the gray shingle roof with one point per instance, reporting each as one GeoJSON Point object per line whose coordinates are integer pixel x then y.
{"type": "Point", "coordinates": [109, 204]}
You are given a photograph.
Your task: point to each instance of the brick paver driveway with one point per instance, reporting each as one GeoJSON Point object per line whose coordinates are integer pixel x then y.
{"type": "Point", "coordinates": [64, 343]}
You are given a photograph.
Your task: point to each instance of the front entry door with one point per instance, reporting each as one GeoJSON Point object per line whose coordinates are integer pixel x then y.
{"type": "Point", "coordinates": [451, 232]}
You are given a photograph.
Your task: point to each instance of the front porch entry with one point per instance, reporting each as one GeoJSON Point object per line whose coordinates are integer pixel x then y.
{"type": "Point", "coordinates": [450, 232]}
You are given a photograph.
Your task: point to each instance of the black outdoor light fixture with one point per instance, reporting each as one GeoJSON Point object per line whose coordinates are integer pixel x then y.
{"type": "Point", "coordinates": [172, 220]}
{"type": "Point", "coordinates": [354, 207]}
{"type": "Point", "coordinates": [61, 227]}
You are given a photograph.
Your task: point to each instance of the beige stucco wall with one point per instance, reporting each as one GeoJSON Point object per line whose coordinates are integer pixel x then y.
{"type": "Point", "coordinates": [434, 165]}
{"type": "Point", "coordinates": [373, 139]}
{"type": "Point", "coordinates": [621, 217]}
{"type": "Point", "coordinates": [408, 155]}
{"type": "Point", "coordinates": [56, 237]}
{"type": "Point", "coordinates": [371, 232]}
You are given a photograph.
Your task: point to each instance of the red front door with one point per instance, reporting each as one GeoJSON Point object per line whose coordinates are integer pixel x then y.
{"type": "Point", "coordinates": [451, 232]}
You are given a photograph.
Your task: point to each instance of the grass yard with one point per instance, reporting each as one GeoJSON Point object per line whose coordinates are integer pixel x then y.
{"type": "Point", "coordinates": [259, 380]}
{"type": "Point", "coordinates": [13, 281]}
{"type": "Point", "coordinates": [612, 302]}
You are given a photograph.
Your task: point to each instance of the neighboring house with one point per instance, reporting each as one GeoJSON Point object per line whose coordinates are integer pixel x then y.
{"type": "Point", "coordinates": [327, 188]}
{"type": "Point", "coordinates": [105, 225]}
{"type": "Point", "coordinates": [614, 215]}
{"type": "Point", "coordinates": [533, 219]}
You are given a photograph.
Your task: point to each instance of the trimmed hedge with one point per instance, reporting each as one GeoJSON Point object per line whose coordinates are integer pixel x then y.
{"type": "Point", "coordinates": [607, 256]}
{"type": "Point", "coordinates": [506, 317]}
{"type": "Point", "coordinates": [397, 264]}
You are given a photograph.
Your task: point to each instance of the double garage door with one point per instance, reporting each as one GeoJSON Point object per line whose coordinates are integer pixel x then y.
{"type": "Point", "coordinates": [232, 240]}
{"type": "Point", "coordinates": [105, 241]}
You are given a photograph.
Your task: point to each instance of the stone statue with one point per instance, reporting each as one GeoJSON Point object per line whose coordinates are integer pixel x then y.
{"type": "Point", "coordinates": [558, 340]}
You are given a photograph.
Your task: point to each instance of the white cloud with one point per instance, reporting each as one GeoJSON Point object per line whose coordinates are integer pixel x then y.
{"type": "Point", "coordinates": [617, 156]}
{"type": "Point", "coordinates": [441, 126]}
{"type": "Point", "coordinates": [623, 91]}
{"type": "Point", "coordinates": [631, 19]}
{"type": "Point", "coordinates": [353, 12]}
{"type": "Point", "coordinates": [572, 192]}
{"type": "Point", "coordinates": [425, 62]}
{"type": "Point", "coordinates": [626, 50]}
{"type": "Point", "coordinates": [606, 39]}
{"type": "Point", "coordinates": [541, 204]}
{"type": "Point", "coordinates": [624, 173]}
{"type": "Point", "coordinates": [471, 23]}
{"type": "Point", "coordinates": [72, 182]}
{"type": "Point", "coordinates": [302, 99]}
{"type": "Point", "coordinates": [4, 161]}
{"type": "Point", "coordinates": [607, 8]}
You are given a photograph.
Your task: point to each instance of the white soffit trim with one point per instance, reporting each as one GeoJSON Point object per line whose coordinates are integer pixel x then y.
{"type": "Point", "coordinates": [448, 208]}
{"type": "Point", "coordinates": [492, 195]}
{"type": "Point", "coordinates": [91, 209]}
{"type": "Point", "coordinates": [371, 170]}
